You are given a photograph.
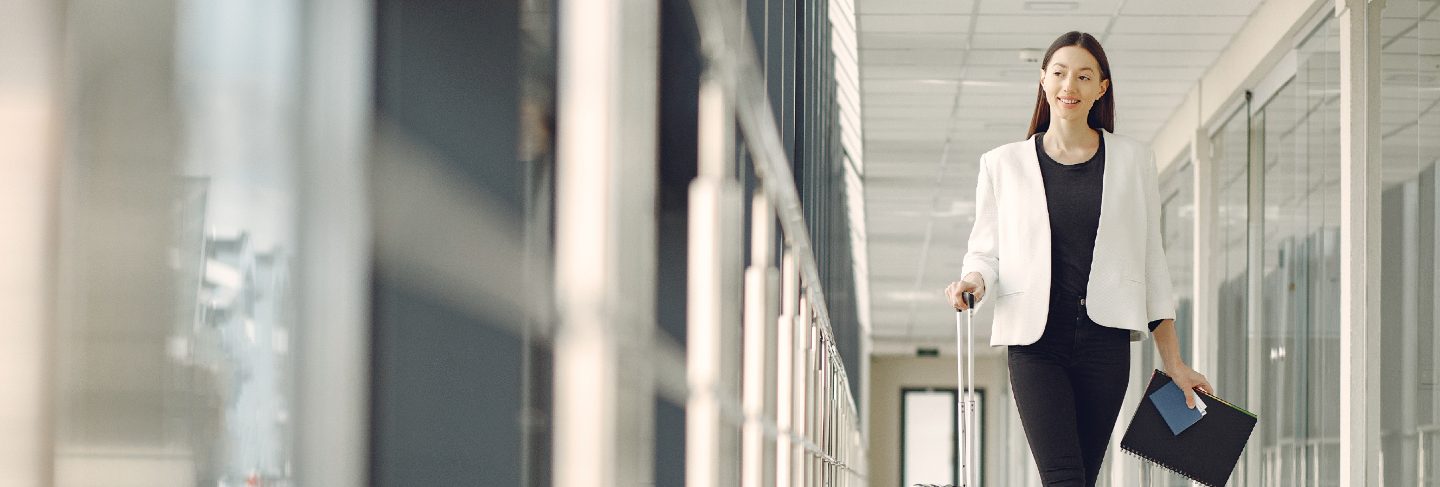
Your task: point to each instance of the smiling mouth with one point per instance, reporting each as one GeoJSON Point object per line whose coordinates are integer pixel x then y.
{"type": "Point", "coordinates": [1068, 102]}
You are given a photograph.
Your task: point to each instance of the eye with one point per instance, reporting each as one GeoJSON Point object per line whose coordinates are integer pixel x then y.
{"type": "Point", "coordinates": [1057, 73]}
{"type": "Point", "coordinates": [1085, 78]}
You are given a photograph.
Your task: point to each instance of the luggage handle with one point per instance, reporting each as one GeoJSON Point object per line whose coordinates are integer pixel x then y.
{"type": "Point", "coordinates": [965, 399]}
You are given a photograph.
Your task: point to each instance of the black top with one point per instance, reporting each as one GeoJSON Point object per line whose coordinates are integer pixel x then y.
{"type": "Point", "coordinates": [1072, 194]}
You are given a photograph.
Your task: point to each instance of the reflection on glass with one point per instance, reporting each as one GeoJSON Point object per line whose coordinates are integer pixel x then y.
{"type": "Point", "coordinates": [174, 363]}
{"type": "Point", "coordinates": [238, 79]}
{"type": "Point", "coordinates": [1410, 130]}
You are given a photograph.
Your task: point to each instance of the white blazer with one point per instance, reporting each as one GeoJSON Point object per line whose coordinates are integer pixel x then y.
{"type": "Point", "coordinates": [1010, 243]}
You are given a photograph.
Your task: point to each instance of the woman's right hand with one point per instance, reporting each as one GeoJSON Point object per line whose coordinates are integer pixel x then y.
{"type": "Point", "coordinates": [971, 283]}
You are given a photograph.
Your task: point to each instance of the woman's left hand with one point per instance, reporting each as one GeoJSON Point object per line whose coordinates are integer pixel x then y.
{"type": "Point", "coordinates": [1188, 379]}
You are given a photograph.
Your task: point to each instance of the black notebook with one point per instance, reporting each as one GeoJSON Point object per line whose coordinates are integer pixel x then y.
{"type": "Point", "coordinates": [1205, 451]}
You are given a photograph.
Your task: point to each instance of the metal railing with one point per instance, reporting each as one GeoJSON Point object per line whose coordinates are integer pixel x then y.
{"type": "Point", "coordinates": [1297, 461]}
{"type": "Point", "coordinates": [813, 423]}
{"type": "Point", "coordinates": [766, 395]}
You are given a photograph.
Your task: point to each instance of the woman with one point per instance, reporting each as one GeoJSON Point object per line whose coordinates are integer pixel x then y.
{"type": "Point", "coordinates": [1066, 244]}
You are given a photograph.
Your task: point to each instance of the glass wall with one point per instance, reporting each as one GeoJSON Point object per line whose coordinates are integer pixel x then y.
{"type": "Point", "coordinates": [1230, 241]}
{"type": "Point", "coordinates": [1177, 206]}
{"type": "Point", "coordinates": [1409, 125]}
{"type": "Point", "coordinates": [1299, 327]}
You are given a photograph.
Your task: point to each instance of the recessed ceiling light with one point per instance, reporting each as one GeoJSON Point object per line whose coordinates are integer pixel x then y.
{"type": "Point", "coordinates": [1052, 6]}
{"type": "Point", "coordinates": [990, 83]}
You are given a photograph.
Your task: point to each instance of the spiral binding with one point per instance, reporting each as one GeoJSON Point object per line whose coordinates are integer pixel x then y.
{"type": "Point", "coordinates": [1153, 461]}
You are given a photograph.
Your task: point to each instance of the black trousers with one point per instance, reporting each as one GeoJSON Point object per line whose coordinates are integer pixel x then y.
{"type": "Point", "coordinates": [1068, 387]}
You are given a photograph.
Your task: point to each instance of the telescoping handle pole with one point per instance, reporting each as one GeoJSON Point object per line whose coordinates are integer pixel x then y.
{"type": "Point", "coordinates": [972, 436]}
{"type": "Point", "coordinates": [965, 400]}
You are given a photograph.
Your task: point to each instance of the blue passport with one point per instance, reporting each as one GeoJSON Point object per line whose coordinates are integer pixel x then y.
{"type": "Point", "coordinates": [1170, 401]}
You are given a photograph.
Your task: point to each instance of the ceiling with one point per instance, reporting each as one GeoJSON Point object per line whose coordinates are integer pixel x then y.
{"type": "Point", "coordinates": [943, 81]}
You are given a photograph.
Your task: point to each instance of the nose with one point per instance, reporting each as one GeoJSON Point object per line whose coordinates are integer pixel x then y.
{"type": "Point", "coordinates": [1066, 82]}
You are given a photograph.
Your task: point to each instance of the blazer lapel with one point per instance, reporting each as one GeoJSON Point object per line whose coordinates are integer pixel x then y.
{"type": "Point", "coordinates": [1034, 184]}
{"type": "Point", "coordinates": [1110, 193]}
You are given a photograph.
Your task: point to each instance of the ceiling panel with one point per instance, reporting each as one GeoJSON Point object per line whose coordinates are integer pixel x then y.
{"type": "Point", "coordinates": [913, 71]}
{"type": "Point", "coordinates": [873, 86]}
{"type": "Point", "coordinates": [978, 57]}
{"type": "Point", "coordinates": [1170, 24]}
{"type": "Point", "coordinates": [884, 146]}
{"type": "Point", "coordinates": [940, 23]}
{"type": "Point", "coordinates": [1015, 40]}
{"type": "Point", "coordinates": [1160, 58]}
{"type": "Point", "coordinates": [1049, 8]}
{"type": "Point", "coordinates": [973, 99]}
{"type": "Point", "coordinates": [1166, 42]}
{"type": "Point", "coordinates": [1190, 8]}
{"type": "Point", "coordinates": [887, 57]}
{"type": "Point", "coordinates": [1018, 74]}
{"type": "Point", "coordinates": [1141, 75]}
{"type": "Point", "coordinates": [914, 6]}
{"type": "Point", "coordinates": [1177, 88]}
{"type": "Point", "coordinates": [1046, 26]}
{"type": "Point", "coordinates": [910, 40]}
{"type": "Point", "coordinates": [907, 99]}
{"type": "Point", "coordinates": [903, 112]}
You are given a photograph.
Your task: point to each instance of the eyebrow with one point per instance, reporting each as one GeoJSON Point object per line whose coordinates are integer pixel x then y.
{"type": "Point", "coordinates": [1064, 66]}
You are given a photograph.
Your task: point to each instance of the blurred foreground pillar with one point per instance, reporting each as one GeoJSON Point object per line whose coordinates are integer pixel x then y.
{"type": "Point", "coordinates": [29, 44]}
{"type": "Point", "coordinates": [605, 242]}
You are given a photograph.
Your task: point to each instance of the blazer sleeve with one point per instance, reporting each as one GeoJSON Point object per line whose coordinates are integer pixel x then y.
{"type": "Point", "coordinates": [980, 255]}
{"type": "Point", "coordinates": [1159, 290]}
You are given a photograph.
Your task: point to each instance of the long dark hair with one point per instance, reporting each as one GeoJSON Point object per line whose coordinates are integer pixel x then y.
{"type": "Point", "coordinates": [1102, 114]}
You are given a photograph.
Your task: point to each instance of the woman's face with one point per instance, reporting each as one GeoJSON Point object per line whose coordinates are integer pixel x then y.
{"type": "Point", "coordinates": [1072, 83]}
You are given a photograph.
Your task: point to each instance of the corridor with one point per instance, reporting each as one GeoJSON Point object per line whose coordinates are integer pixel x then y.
{"type": "Point", "coordinates": [693, 243]}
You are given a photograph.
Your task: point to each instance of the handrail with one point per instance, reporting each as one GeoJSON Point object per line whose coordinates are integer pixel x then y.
{"type": "Point", "coordinates": [728, 48]}
{"type": "Point", "coordinates": [821, 439]}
